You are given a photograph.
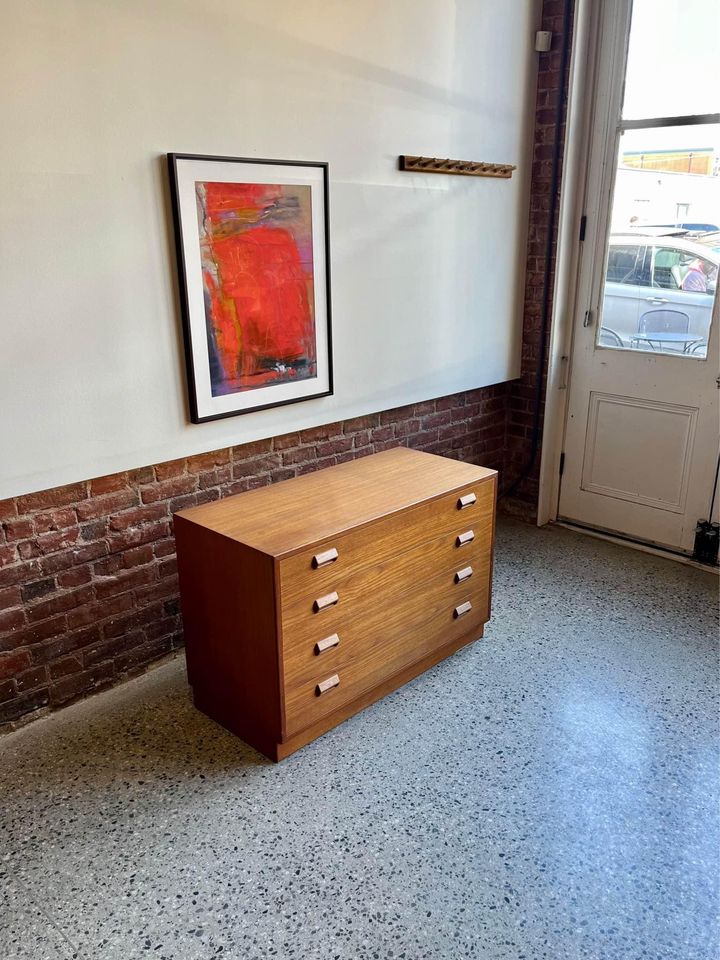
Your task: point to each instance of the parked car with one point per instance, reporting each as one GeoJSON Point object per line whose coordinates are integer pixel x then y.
{"type": "Point", "coordinates": [644, 275]}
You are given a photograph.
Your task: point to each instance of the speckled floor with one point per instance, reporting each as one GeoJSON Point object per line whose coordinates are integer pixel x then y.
{"type": "Point", "coordinates": [549, 792]}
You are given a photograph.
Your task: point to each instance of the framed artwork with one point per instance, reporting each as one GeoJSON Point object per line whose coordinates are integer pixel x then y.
{"type": "Point", "coordinates": [254, 273]}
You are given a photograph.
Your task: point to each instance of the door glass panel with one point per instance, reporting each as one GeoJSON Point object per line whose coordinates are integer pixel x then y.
{"type": "Point", "coordinates": [672, 59]}
{"type": "Point", "coordinates": [664, 244]}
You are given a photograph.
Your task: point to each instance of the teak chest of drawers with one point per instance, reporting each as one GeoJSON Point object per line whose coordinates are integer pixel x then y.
{"type": "Point", "coordinates": [305, 601]}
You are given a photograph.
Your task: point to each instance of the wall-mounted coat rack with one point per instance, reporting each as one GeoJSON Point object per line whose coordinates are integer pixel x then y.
{"type": "Point", "coordinates": [465, 168]}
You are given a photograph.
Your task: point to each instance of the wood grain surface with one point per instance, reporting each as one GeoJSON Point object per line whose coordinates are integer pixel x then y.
{"type": "Point", "coordinates": [306, 510]}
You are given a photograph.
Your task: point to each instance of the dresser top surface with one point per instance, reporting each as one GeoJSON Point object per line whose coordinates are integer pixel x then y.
{"type": "Point", "coordinates": [287, 516]}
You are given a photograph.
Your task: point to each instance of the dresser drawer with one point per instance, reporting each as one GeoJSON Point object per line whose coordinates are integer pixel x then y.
{"type": "Point", "coordinates": [375, 647]}
{"type": "Point", "coordinates": [317, 571]}
{"type": "Point", "coordinates": [372, 591]}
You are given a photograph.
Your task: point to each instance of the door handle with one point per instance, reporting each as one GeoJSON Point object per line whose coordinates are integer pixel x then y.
{"type": "Point", "coordinates": [657, 300]}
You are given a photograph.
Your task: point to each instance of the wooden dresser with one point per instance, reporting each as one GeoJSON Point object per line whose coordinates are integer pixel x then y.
{"type": "Point", "coordinates": [305, 601]}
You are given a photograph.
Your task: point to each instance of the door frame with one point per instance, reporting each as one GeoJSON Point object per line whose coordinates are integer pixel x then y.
{"type": "Point", "coordinates": [573, 189]}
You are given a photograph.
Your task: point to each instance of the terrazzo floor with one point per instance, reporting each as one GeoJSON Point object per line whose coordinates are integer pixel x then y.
{"type": "Point", "coordinates": [549, 792]}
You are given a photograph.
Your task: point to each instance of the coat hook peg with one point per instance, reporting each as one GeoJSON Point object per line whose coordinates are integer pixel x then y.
{"type": "Point", "coordinates": [468, 168]}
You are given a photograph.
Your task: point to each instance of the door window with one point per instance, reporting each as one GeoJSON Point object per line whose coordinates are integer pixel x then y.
{"type": "Point", "coordinates": [660, 259]}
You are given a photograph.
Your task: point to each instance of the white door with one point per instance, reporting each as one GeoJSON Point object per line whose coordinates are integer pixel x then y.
{"type": "Point", "coordinates": [641, 438]}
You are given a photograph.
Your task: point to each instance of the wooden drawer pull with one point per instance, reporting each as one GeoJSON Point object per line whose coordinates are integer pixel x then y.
{"type": "Point", "coordinates": [322, 559]}
{"type": "Point", "coordinates": [326, 685]}
{"type": "Point", "coordinates": [326, 644]}
{"type": "Point", "coordinates": [461, 610]}
{"type": "Point", "coordinates": [466, 537]}
{"type": "Point", "coordinates": [466, 501]}
{"type": "Point", "coordinates": [329, 600]}
{"type": "Point", "coordinates": [463, 574]}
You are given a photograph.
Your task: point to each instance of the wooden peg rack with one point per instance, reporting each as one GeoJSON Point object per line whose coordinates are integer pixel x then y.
{"type": "Point", "coordinates": [463, 168]}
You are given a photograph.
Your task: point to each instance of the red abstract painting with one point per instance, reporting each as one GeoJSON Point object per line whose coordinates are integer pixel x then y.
{"type": "Point", "coordinates": [257, 267]}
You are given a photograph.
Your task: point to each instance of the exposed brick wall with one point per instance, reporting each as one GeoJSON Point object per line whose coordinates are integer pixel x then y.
{"type": "Point", "coordinates": [88, 582]}
{"type": "Point", "coordinates": [521, 393]}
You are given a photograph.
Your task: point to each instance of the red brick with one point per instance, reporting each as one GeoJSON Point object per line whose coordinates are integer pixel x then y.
{"type": "Point", "coordinates": [137, 556]}
{"type": "Point", "coordinates": [50, 650]}
{"type": "Point", "coordinates": [13, 663]}
{"type": "Point", "coordinates": [19, 529]}
{"type": "Point", "coordinates": [41, 631]}
{"type": "Point", "coordinates": [58, 540]}
{"type": "Point", "coordinates": [215, 478]}
{"type": "Point", "coordinates": [72, 687]}
{"type": "Point", "coordinates": [361, 438]}
{"type": "Point", "coordinates": [8, 509]}
{"type": "Point", "coordinates": [406, 427]}
{"type": "Point", "coordinates": [382, 433]}
{"type": "Point", "coordinates": [286, 441]}
{"type": "Point", "coordinates": [107, 505]}
{"type": "Point", "coordinates": [298, 455]}
{"type": "Point", "coordinates": [287, 473]}
{"type": "Point", "coordinates": [57, 497]}
{"type": "Point", "coordinates": [169, 488]}
{"type": "Point", "coordinates": [331, 447]}
{"type": "Point", "coordinates": [138, 516]}
{"type": "Point", "coordinates": [183, 503]}
{"type": "Point", "coordinates": [75, 577]}
{"type": "Point", "coordinates": [120, 626]}
{"type": "Point", "coordinates": [23, 705]}
{"type": "Point", "coordinates": [8, 691]}
{"type": "Point", "coordinates": [10, 597]}
{"type": "Point", "coordinates": [360, 423]}
{"type": "Point", "coordinates": [324, 432]}
{"type": "Point", "coordinates": [12, 619]}
{"type": "Point", "coordinates": [162, 590]}
{"type": "Point", "coordinates": [27, 549]}
{"type": "Point", "coordinates": [59, 604]}
{"type": "Point", "coordinates": [206, 461]}
{"type": "Point", "coordinates": [173, 468]}
{"type": "Point", "coordinates": [167, 568]}
{"type": "Point", "coordinates": [246, 451]}
{"type": "Point", "coordinates": [93, 613]}
{"type": "Point", "coordinates": [388, 444]}
{"type": "Point", "coordinates": [248, 468]}
{"type": "Point", "coordinates": [162, 628]}
{"type": "Point", "coordinates": [144, 653]}
{"type": "Point", "coordinates": [164, 548]}
{"type": "Point", "coordinates": [65, 667]}
{"type": "Point", "coordinates": [55, 520]}
{"type": "Point", "coordinates": [32, 679]}
{"type": "Point", "coordinates": [393, 416]}
{"type": "Point", "coordinates": [141, 475]}
{"type": "Point", "coordinates": [109, 484]}
{"type": "Point", "coordinates": [125, 581]}
{"type": "Point", "coordinates": [101, 650]}
{"type": "Point", "coordinates": [137, 535]}
{"type": "Point", "coordinates": [89, 552]}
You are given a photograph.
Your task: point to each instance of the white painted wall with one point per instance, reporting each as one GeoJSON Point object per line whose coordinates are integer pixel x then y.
{"type": "Point", "coordinates": [427, 271]}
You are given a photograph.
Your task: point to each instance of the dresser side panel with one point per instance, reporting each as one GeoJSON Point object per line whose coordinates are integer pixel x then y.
{"type": "Point", "coordinates": [227, 595]}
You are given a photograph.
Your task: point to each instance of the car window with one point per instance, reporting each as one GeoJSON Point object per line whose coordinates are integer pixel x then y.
{"type": "Point", "coordinates": [666, 271]}
{"type": "Point", "coordinates": [623, 263]}
{"type": "Point", "coordinates": [697, 273]}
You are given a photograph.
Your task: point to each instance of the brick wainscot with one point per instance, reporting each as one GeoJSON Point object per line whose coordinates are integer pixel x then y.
{"type": "Point", "coordinates": [88, 582]}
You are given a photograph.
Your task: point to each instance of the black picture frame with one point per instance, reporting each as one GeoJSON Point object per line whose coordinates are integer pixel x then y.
{"type": "Point", "coordinates": [188, 278]}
